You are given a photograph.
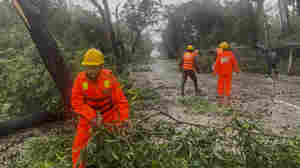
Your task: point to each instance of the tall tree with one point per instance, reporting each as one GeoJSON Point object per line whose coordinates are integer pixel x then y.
{"type": "Point", "coordinates": [284, 15]}
{"type": "Point", "coordinates": [197, 22]}
{"type": "Point", "coordinates": [106, 15]}
{"type": "Point", "coordinates": [139, 15]}
{"type": "Point", "coordinates": [298, 7]}
{"type": "Point", "coordinates": [261, 21]}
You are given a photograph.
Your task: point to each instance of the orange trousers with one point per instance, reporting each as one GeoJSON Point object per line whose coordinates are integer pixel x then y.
{"type": "Point", "coordinates": [224, 83]}
{"type": "Point", "coordinates": [79, 143]}
{"type": "Point", "coordinates": [81, 140]}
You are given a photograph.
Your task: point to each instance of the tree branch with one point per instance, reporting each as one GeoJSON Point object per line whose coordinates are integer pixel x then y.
{"type": "Point", "coordinates": [100, 9]}
{"type": "Point", "coordinates": [221, 129]}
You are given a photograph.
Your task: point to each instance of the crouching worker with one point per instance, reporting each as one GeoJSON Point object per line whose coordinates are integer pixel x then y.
{"type": "Point", "coordinates": [226, 63]}
{"type": "Point", "coordinates": [96, 96]}
{"type": "Point", "coordinates": [188, 65]}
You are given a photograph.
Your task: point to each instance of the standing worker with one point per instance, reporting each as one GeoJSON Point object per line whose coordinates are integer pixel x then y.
{"type": "Point", "coordinates": [219, 51]}
{"type": "Point", "coordinates": [272, 59]}
{"type": "Point", "coordinates": [189, 67]}
{"type": "Point", "coordinates": [98, 99]}
{"type": "Point", "coordinates": [226, 63]}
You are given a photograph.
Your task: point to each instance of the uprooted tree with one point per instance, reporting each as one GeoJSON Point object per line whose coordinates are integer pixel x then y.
{"type": "Point", "coordinates": [37, 54]}
{"type": "Point", "coordinates": [31, 13]}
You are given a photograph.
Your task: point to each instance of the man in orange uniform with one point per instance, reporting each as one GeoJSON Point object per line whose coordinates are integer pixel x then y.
{"type": "Point", "coordinates": [97, 98]}
{"type": "Point", "coordinates": [226, 63]}
{"type": "Point", "coordinates": [188, 66]}
{"type": "Point", "coordinates": [219, 51]}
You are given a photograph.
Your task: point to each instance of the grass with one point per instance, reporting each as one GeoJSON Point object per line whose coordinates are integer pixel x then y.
{"type": "Point", "coordinates": [195, 148]}
{"type": "Point", "coordinates": [198, 105]}
{"type": "Point", "coordinates": [228, 112]}
{"type": "Point", "coordinates": [201, 148]}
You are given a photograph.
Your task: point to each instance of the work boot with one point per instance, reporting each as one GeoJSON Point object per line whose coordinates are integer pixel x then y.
{"type": "Point", "coordinates": [269, 78]}
{"type": "Point", "coordinates": [220, 100]}
{"type": "Point", "coordinates": [197, 93]}
{"type": "Point", "coordinates": [228, 101]}
{"type": "Point", "coordinates": [267, 75]}
{"type": "Point", "coordinates": [201, 93]}
{"type": "Point", "coordinates": [276, 75]}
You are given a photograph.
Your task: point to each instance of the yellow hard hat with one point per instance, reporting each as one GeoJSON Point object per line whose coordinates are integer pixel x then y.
{"type": "Point", "coordinates": [190, 47]}
{"type": "Point", "coordinates": [224, 45]}
{"type": "Point", "coordinates": [93, 57]}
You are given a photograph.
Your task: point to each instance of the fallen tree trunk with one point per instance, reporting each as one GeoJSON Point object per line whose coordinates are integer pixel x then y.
{"type": "Point", "coordinates": [32, 16]}
{"type": "Point", "coordinates": [30, 121]}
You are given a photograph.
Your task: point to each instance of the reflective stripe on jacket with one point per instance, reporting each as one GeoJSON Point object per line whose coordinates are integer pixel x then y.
{"type": "Point", "coordinates": [188, 61]}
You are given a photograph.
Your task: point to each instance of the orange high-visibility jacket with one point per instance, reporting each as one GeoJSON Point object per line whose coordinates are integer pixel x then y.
{"type": "Point", "coordinates": [226, 63]}
{"type": "Point", "coordinates": [188, 61]}
{"type": "Point", "coordinates": [104, 97]}
{"type": "Point", "coordinates": [219, 52]}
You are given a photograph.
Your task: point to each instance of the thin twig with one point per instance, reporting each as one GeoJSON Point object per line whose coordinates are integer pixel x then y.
{"type": "Point", "coordinates": [182, 122]}
{"type": "Point", "coordinates": [148, 117]}
{"type": "Point", "coordinates": [219, 128]}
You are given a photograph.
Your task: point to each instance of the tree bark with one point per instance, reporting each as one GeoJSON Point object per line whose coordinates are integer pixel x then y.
{"type": "Point", "coordinates": [34, 119]}
{"type": "Point", "coordinates": [136, 40]}
{"type": "Point", "coordinates": [111, 36]}
{"type": "Point", "coordinates": [298, 7]}
{"type": "Point", "coordinates": [261, 24]}
{"type": "Point", "coordinates": [284, 15]}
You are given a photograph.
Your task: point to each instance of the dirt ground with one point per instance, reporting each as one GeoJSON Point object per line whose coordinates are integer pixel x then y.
{"type": "Point", "coordinates": [255, 97]}
{"type": "Point", "coordinates": [12, 145]}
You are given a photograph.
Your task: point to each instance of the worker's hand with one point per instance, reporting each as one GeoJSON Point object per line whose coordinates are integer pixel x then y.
{"type": "Point", "coordinates": [128, 124]}
{"type": "Point", "coordinates": [123, 128]}
{"type": "Point", "coordinates": [180, 69]}
{"type": "Point", "coordinates": [96, 122]}
{"type": "Point", "coordinates": [238, 76]}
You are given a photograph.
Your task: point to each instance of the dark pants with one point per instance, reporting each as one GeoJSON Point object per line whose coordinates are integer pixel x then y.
{"type": "Point", "coordinates": [272, 59]}
{"type": "Point", "coordinates": [271, 68]}
{"type": "Point", "coordinates": [192, 75]}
